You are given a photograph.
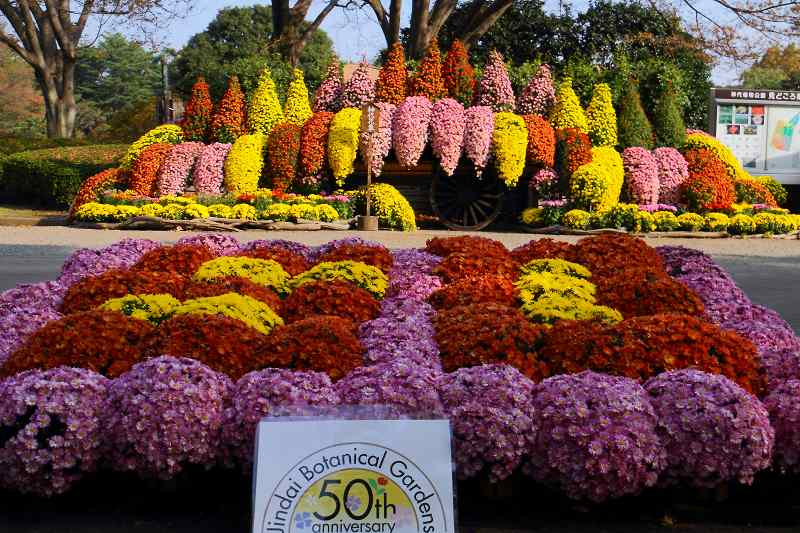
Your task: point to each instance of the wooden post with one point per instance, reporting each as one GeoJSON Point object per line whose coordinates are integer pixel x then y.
{"type": "Point", "coordinates": [370, 121]}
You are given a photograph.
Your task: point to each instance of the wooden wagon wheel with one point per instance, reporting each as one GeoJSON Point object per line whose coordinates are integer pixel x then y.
{"type": "Point", "coordinates": [465, 201]}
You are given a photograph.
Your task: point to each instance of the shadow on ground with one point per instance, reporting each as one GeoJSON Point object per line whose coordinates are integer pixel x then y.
{"type": "Point", "coordinates": [219, 502]}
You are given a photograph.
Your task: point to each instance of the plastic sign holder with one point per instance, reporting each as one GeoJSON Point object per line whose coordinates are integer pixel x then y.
{"type": "Point", "coordinates": [355, 473]}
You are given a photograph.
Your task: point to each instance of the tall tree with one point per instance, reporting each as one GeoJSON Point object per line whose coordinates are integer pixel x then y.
{"type": "Point", "coordinates": [291, 32]}
{"type": "Point", "coordinates": [116, 73]}
{"type": "Point", "coordinates": [239, 41]}
{"type": "Point", "coordinates": [778, 68]}
{"type": "Point", "coordinates": [428, 18]}
{"type": "Point", "coordinates": [47, 35]}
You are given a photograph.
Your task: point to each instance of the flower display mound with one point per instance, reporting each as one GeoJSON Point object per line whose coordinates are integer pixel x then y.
{"type": "Point", "coordinates": [644, 346]}
{"type": "Point", "coordinates": [404, 389]}
{"type": "Point", "coordinates": [106, 342]}
{"type": "Point", "coordinates": [473, 290]}
{"type": "Point", "coordinates": [610, 253]}
{"type": "Point", "coordinates": [166, 414]}
{"type": "Point", "coordinates": [376, 256]}
{"type": "Point", "coordinates": [225, 344]}
{"type": "Point", "coordinates": [542, 249]}
{"type": "Point", "coordinates": [458, 266]}
{"type": "Point", "coordinates": [712, 429]}
{"type": "Point", "coordinates": [258, 394]}
{"type": "Point", "coordinates": [155, 371]}
{"type": "Point", "coordinates": [596, 437]}
{"type": "Point", "coordinates": [94, 291]}
{"type": "Point", "coordinates": [292, 262]}
{"type": "Point", "coordinates": [489, 333]}
{"type": "Point", "coordinates": [181, 259]}
{"type": "Point", "coordinates": [783, 405]}
{"type": "Point", "coordinates": [334, 298]}
{"type": "Point", "coordinates": [51, 428]}
{"type": "Point", "coordinates": [648, 291]}
{"type": "Point", "coordinates": [466, 244]}
{"type": "Point", "coordinates": [492, 415]}
{"type": "Point", "coordinates": [321, 344]}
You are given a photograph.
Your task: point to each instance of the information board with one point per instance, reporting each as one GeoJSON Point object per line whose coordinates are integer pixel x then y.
{"type": "Point", "coordinates": [353, 476]}
{"type": "Point", "coordinates": [762, 129]}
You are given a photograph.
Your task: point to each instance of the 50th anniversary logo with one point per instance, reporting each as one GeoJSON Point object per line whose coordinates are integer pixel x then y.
{"type": "Point", "coordinates": [354, 487]}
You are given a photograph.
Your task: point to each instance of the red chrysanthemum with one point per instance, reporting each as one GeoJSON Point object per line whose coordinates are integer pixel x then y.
{"type": "Point", "coordinates": [459, 266]}
{"type": "Point", "coordinates": [106, 342]}
{"type": "Point", "coordinates": [466, 244]}
{"type": "Point", "coordinates": [181, 259]}
{"type": "Point", "coordinates": [292, 262]}
{"type": "Point", "coordinates": [541, 141]}
{"type": "Point", "coordinates": [542, 249]}
{"type": "Point", "coordinates": [107, 179]}
{"type": "Point", "coordinates": [648, 291]}
{"type": "Point", "coordinates": [94, 291]}
{"type": "Point", "coordinates": [474, 290]}
{"type": "Point", "coordinates": [489, 333]}
{"type": "Point", "coordinates": [371, 255]}
{"type": "Point", "coordinates": [283, 149]}
{"type": "Point", "coordinates": [642, 347]}
{"type": "Point", "coordinates": [222, 343]}
{"type": "Point", "coordinates": [314, 143]}
{"type": "Point", "coordinates": [333, 298]}
{"type": "Point", "coordinates": [322, 344]}
{"type": "Point", "coordinates": [144, 173]}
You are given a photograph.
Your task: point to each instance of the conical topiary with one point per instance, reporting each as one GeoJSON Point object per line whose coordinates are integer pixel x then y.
{"type": "Point", "coordinates": [197, 115]}
{"type": "Point", "coordinates": [428, 81]}
{"type": "Point", "coordinates": [601, 117]}
{"type": "Point", "coordinates": [668, 122]}
{"type": "Point", "coordinates": [229, 121]}
{"type": "Point", "coordinates": [539, 96]}
{"type": "Point", "coordinates": [393, 78]}
{"type": "Point", "coordinates": [265, 108]}
{"type": "Point", "coordinates": [567, 112]}
{"type": "Point", "coordinates": [359, 89]}
{"type": "Point", "coordinates": [329, 93]}
{"type": "Point", "coordinates": [297, 109]}
{"type": "Point", "coordinates": [458, 74]}
{"type": "Point", "coordinates": [633, 126]}
{"type": "Point", "coordinates": [495, 89]}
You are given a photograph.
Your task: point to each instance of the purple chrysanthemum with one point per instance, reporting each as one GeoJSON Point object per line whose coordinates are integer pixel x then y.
{"type": "Point", "coordinates": [257, 394]}
{"type": "Point", "coordinates": [90, 262]}
{"type": "Point", "coordinates": [219, 243]}
{"type": "Point", "coordinates": [783, 405]}
{"type": "Point", "coordinates": [596, 436]}
{"type": "Point", "coordinates": [491, 412]}
{"type": "Point", "coordinates": [408, 390]}
{"type": "Point", "coordinates": [713, 430]}
{"type": "Point", "coordinates": [51, 428]}
{"type": "Point", "coordinates": [166, 413]}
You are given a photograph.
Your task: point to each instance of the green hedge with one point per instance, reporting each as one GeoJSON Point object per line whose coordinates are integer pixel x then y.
{"type": "Point", "coordinates": [11, 144]}
{"type": "Point", "coordinates": [51, 177]}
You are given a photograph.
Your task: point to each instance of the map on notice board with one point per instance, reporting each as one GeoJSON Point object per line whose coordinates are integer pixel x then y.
{"type": "Point", "coordinates": [783, 145]}
{"type": "Point", "coordinates": [742, 129]}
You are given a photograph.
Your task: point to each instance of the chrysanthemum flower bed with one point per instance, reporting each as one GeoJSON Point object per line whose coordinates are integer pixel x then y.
{"type": "Point", "coordinates": [153, 359]}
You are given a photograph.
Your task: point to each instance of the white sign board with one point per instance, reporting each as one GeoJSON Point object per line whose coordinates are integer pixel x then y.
{"type": "Point", "coordinates": [353, 476]}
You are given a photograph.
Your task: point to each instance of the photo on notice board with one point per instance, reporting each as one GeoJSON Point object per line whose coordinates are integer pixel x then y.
{"type": "Point", "coordinates": [750, 130]}
{"type": "Point", "coordinates": [733, 129]}
{"type": "Point", "coordinates": [725, 115]}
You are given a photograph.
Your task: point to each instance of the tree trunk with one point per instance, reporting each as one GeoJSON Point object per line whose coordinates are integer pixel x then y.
{"type": "Point", "coordinates": [59, 101]}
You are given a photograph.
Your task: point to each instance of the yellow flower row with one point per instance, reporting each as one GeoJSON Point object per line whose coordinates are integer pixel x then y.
{"type": "Point", "coordinates": [597, 185]}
